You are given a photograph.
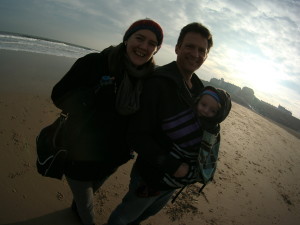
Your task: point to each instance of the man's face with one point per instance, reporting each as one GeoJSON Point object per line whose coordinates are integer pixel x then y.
{"type": "Point", "coordinates": [191, 53]}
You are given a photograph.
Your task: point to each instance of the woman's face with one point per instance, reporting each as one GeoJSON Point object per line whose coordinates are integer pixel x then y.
{"type": "Point", "coordinates": [141, 46]}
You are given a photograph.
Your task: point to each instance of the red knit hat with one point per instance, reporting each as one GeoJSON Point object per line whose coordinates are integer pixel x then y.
{"type": "Point", "coordinates": [147, 24]}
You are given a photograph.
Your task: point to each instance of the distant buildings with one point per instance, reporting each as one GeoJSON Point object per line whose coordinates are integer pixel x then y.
{"type": "Point", "coordinates": [246, 97]}
{"type": "Point", "coordinates": [231, 88]}
{"type": "Point", "coordinates": [282, 109]}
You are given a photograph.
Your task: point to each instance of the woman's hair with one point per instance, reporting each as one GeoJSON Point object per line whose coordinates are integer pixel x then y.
{"type": "Point", "coordinates": [196, 28]}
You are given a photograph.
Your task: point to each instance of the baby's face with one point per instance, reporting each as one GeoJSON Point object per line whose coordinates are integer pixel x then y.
{"type": "Point", "coordinates": [207, 106]}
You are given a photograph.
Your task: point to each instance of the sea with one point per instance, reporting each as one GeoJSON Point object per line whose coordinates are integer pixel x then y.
{"type": "Point", "coordinates": [27, 43]}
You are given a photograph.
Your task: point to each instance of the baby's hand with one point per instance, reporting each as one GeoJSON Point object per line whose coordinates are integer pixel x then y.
{"type": "Point", "coordinates": [182, 170]}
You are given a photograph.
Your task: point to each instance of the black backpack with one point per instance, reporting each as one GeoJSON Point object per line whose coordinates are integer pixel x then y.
{"type": "Point", "coordinates": [51, 152]}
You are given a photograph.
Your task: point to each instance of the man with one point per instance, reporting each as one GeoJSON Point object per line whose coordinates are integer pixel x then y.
{"type": "Point", "coordinates": [169, 92]}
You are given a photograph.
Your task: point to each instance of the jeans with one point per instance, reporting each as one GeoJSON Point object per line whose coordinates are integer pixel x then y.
{"type": "Point", "coordinates": [83, 196]}
{"type": "Point", "coordinates": [134, 209]}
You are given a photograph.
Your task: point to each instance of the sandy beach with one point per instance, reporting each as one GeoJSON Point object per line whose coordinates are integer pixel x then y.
{"type": "Point", "coordinates": [257, 181]}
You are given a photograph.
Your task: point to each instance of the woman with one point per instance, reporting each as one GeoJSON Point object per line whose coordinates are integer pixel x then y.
{"type": "Point", "coordinates": [100, 92]}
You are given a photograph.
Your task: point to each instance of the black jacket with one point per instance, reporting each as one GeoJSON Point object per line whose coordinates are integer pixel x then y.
{"type": "Point", "coordinates": [98, 146]}
{"type": "Point", "coordinates": [164, 96]}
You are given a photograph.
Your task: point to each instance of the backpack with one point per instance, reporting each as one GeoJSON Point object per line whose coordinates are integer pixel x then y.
{"type": "Point", "coordinates": [51, 152]}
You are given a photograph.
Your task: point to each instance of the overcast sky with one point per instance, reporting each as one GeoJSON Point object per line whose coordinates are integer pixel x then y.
{"type": "Point", "coordinates": [256, 43]}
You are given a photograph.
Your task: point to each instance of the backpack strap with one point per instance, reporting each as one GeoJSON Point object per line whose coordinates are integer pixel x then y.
{"type": "Point", "coordinates": [179, 192]}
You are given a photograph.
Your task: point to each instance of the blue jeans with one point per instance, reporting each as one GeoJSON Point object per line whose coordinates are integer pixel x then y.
{"type": "Point", "coordinates": [134, 209]}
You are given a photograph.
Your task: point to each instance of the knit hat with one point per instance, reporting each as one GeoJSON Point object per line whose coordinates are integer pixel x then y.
{"type": "Point", "coordinates": [147, 24]}
{"type": "Point", "coordinates": [212, 94]}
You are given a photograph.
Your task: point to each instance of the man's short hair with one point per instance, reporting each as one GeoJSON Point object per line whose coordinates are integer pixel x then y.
{"type": "Point", "coordinates": [196, 28]}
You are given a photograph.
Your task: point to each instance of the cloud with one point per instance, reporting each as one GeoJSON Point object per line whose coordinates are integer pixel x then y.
{"type": "Point", "coordinates": [290, 84]}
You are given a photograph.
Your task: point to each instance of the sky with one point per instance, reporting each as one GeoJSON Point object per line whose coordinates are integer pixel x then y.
{"type": "Point", "coordinates": [256, 43]}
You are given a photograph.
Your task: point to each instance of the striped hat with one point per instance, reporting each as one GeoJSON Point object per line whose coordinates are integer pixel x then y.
{"type": "Point", "coordinates": [211, 93]}
{"type": "Point", "coordinates": [147, 24]}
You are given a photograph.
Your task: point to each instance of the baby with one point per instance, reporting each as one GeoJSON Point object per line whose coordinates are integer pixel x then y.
{"type": "Point", "coordinates": [197, 142]}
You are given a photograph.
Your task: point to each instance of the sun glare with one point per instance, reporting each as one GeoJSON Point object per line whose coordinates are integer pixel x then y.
{"type": "Point", "coordinates": [259, 75]}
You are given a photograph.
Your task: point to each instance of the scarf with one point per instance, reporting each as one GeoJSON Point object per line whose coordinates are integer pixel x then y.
{"type": "Point", "coordinates": [130, 88]}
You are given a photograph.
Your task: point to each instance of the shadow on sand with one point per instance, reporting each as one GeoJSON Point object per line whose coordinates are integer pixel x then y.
{"type": "Point", "coordinates": [62, 217]}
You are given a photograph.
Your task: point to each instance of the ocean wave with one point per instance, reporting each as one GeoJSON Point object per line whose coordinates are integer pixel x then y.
{"type": "Point", "coordinates": [20, 42]}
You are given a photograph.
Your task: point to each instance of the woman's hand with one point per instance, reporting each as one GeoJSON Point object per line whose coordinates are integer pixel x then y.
{"type": "Point", "coordinates": [182, 170]}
